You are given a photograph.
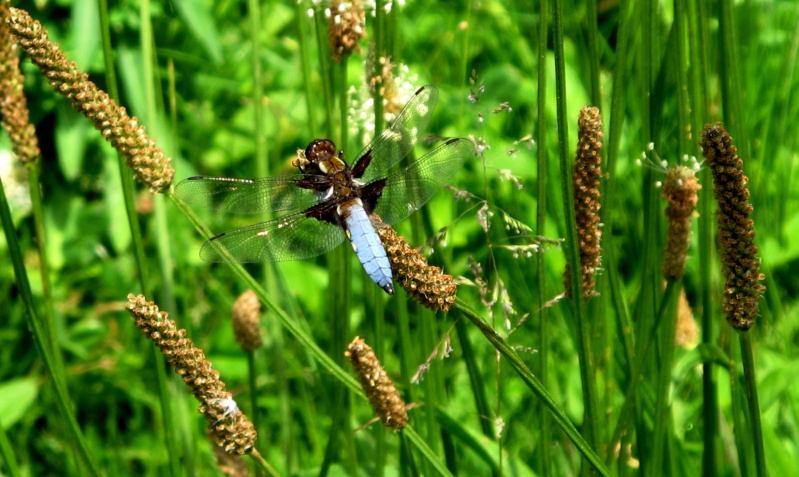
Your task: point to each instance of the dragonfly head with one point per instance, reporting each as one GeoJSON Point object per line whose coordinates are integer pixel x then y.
{"type": "Point", "coordinates": [320, 150]}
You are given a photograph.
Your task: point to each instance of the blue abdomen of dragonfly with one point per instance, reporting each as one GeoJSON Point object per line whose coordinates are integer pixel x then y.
{"type": "Point", "coordinates": [367, 246]}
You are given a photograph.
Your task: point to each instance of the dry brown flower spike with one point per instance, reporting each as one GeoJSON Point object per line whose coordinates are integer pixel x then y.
{"type": "Point", "coordinates": [680, 190]}
{"type": "Point", "coordinates": [122, 131]}
{"type": "Point", "coordinates": [428, 285]}
{"type": "Point", "coordinates": [233, 431]}
{"type": "Point", "coordinates": [347, 25]}
{"type": "Point", "coordinates": [13, 107]}
{"type": "Point", "coordinates": [585, 181]}
{"type": "Point", "coordinates": [736, 234]}
{"type": "Point", "coordinates": [246, 321]}
{"type": "Point", "coordinates": [379, 389]}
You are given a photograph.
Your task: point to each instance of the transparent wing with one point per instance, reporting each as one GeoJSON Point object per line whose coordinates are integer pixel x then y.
{"type": "Point", "coordinates": [293, 237]}
{"type": "Point", "coordinates": [251, 196]}
{"type": "Point", "coordinates": [409, 189]}
{"type": "Point", "coordinates": [396, 141]}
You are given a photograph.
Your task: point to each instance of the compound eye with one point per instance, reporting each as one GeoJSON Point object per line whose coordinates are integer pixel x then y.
{"type": "Point", "coordinates": [319, 150]}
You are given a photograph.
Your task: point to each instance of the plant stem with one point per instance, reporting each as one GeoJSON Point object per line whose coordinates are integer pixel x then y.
{"type": "Point", "coordinates": [750, 383]}
{"type": "Point", "coordinates": [62, 399]}
{"type": "Point", "coordinates": [585, 353]}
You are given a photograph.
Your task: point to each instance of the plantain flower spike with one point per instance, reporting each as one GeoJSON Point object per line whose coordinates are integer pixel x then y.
{"type": "Point", "coordinates": [739, 262]}
{"type": "Point", "coordinates": [13, 107]}
{"type": "Point", "coordinates": [680, 190]}
{"type": "Point", "coordinates": [124, 132]}
{"type": "Point", "coordinates": [231, 428]}
{"type": "Point", "coordinates": [585, 181]}
{"type": "Point", "coordinates": [428, 285]}
{"type": "Point", "coordinates": [347, 26]}
{"type": "Point", "coordinates": [246, 321]}
{"type": "Point", "coordinates": [382, 395]}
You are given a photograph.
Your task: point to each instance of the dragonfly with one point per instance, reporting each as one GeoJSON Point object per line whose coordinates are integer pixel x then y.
{"type": "Point", "coordinates": [328, 201]}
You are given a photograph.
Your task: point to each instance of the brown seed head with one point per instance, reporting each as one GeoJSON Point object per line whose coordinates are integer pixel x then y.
{"type": "Point", "coordinates": [347, 25]}
{"type": "Point", "coordinates": [233, 431]}
{"type": "Point", "coordinates": [13, 107]}
{"type": "Point", "coordinates": [680, 190]}
{"type": "Point", "coordinates": [246, 321]}
{"type": "Point", "coordinates": [122, 131]}
{"type": "Point", "coordinates": [426, 284]}
{"type": "Point", "coordinates": [736, 234]}
{"type": "Point", "coordinates": [585, 181]}
{"type": "Point", "coordinates": [382, 395]}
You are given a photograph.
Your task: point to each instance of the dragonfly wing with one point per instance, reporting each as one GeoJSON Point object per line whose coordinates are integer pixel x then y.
{"type": "Point", "coordinates": [253, 196]}
{"type": "Point", "coordinates": [396, 141]}
{"type": "Point", "coordinates": [407, 190]}
{"type": "Point", "coordinates": [293, 237]}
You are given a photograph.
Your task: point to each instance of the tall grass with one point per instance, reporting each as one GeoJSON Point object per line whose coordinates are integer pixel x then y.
{"type": "Point", "coordinates": [517, 379]}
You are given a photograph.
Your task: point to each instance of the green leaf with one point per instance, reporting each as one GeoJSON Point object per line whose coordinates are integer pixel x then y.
{"type": "Point", "coordinates": [71, 134]}
{"type": "Point", "coordinates": [16, 398]}
{"type": "Point", "coordinates": [200, 22]}
{"type": "Point", "coordinates": [86, 31]}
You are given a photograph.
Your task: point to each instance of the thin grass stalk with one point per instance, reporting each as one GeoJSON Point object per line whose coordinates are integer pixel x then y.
{"type": "Point", "coordinates": [752, 400]}
{"type": "Point", "coordinates": [739, 409]}
{"type": "Point", "coordinates": [527, 376]}
{"type": "Point", "coordinates": [323, 54]}
{"type": "Point", "coordinates": [9, 456]}
{"type": "Point", "coordinates": [301, 18]}
{"type": "Point", "coordinates": [380, 51]}
{"type": "Point", "coordinates": [697, 30]}
{"type": "Point", "coordinates": [618, 301]}
{"type": "Point", "coordinates": [477, 385]}
{"type": "Point", "coordinates": [587, 371]}
{"type": "Point", "coordinates": [637, 374]}
{"type": "Point", "coordinates": [593, 54]}
{"type": "Point", "coordinates": [62, 399]}
{"type": "Point", "coordinates": [665, 361]}
{"type": "Point", "coordinates": [730, 79]}
{"type": "Point", "coordinates": [41, 245]}
{"type": "Point", "coordinates": [540, 227]}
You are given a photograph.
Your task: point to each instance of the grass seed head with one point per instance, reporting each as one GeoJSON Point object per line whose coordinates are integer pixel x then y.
{"type": "Point", "coordinates": [231, 428]}
{"type": "Point", "coordinates": [246, 321]}
{"type": "Point", "coordinates": [585, 181]}
{"type": "Point", "coordinates": [680, 190]}
{"type": "Point", "coordinates": [736, 235]}
{"type": "Point", "coordinates": [124, 132]}
{"type": "Point", "coordinates": [428, 285]}
{"type": "Point", "coordinates": [379, 389]}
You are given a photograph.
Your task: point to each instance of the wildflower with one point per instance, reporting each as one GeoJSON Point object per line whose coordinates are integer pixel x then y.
{"type": "Point", "coordinates": [122, 131]}
{"type": "Point", "coordinates": [379, 389]}
{"type": "Point", "coordinates": [347, 25]}
{"type": "Point", "coordinates": [680, 190]}
{"type": "Point", "coordinates": [739, 262]}
{"type": "Point", "coordinates": [233, 431]}
{"type": "Point", "coordinates": [13, 107]}
{"type": "Point", "coordinates": [246, 320]}
{"type": "Point", "coordinates": [585, 178]}
{"type": "Point", "coordinates": [426, 284]}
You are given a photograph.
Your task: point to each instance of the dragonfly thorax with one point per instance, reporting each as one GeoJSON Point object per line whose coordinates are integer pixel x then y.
{"type": "Point", "coordinates": [321, 158]}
